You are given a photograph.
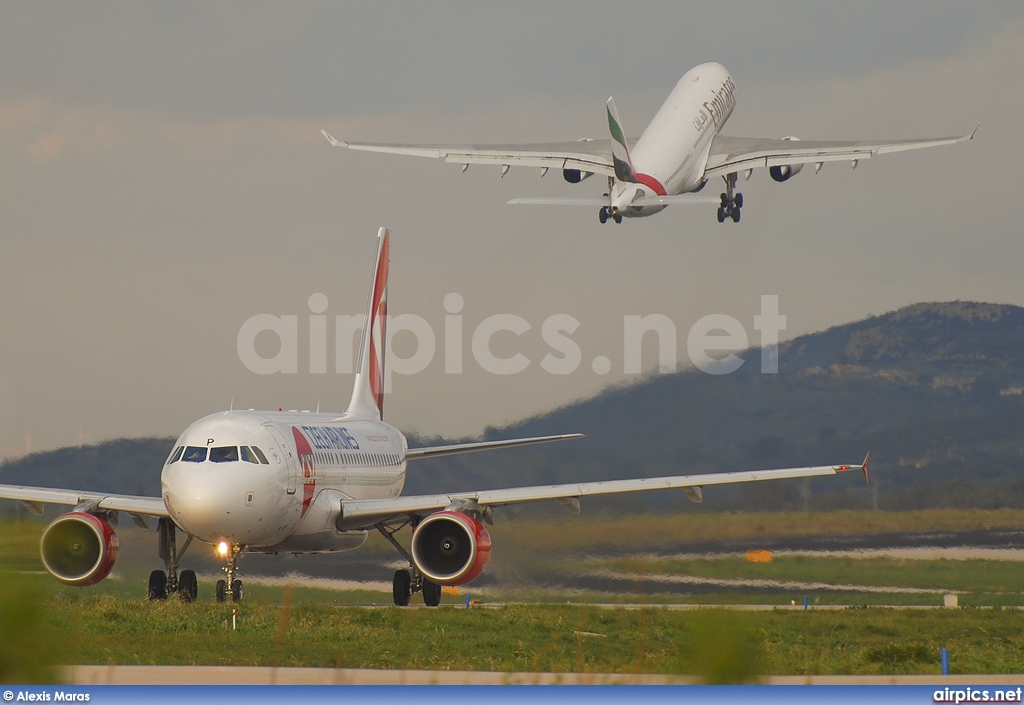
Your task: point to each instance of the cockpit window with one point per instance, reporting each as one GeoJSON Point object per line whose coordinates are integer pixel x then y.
{"type": "Point", "coordinates": [259, 454]}
{"type": "Point", "coordinates": [194, 454]}
{"type": "Point", "coordinates": [248, 456]}
{"type": "Point", "coordinates": [176, 455]}
{"type": "Point", "coordinates": [224, 454]}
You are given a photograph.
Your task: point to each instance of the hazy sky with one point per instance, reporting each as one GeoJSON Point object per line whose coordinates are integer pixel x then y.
{"type": "Point", "coordinates": [164, 180]}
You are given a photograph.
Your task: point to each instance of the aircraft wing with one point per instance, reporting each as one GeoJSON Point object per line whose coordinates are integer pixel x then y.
{"type": "Point", "coordinates": [35, 497]}
{"type": "Point", "coordinates": [366, 513]}
{"type": "Point", "coordinates": [437, 451]}
{"type": "Point", "coordinates": [732, 154]}
{"type": "Point", "coordinates": [586, 155]}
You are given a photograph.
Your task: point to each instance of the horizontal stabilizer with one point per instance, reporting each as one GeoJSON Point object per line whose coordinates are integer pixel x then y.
{"type": "Point", "coordinates": [435, 451]}
{"type": "Point", "coordinates": [559, 202]}
{"type": "Point", "coordinates": [681, 199]}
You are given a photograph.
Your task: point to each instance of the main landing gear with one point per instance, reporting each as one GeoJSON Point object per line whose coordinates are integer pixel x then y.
{"type": "Point", "coordinates": [731, 202]}
{"type": "Point", "coordinates": [408, 581]}
{"type": "Point", "coordinates": [232, 585]}
{"type": "Point", "coordinates": [167, 581]}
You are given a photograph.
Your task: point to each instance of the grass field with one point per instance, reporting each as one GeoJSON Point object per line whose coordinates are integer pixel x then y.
{"type": "Point", "coordinates": [718, 645]}
{"type": "Point", "coordinates": [43, 623]}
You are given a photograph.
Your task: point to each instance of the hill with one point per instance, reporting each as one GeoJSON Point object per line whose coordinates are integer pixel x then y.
{"type": "Point", "coordinates": [934, 390]}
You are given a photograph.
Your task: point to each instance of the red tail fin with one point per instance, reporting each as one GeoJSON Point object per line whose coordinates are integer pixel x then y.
{"type": "Point", "coordinates": [368, 391]}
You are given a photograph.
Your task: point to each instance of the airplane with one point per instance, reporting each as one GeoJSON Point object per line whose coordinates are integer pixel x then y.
{"type": "Point", "coordinates": [675, 157]}
{"type": "Point", "coordinates": [302, 482]}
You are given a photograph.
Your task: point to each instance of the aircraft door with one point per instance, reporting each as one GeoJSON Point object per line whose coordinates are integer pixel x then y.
{"type": "Point", "coordinates": [289, 460]}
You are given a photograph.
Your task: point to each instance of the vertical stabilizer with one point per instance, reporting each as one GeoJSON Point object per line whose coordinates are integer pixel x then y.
{"type": "Point", "coordinates": [620, 150]}
{"type": "Point", "coordinates": [368, 391]}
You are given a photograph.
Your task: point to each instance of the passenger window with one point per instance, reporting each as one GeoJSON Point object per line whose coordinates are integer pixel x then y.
{"type": "Point", "coordinates": [224, 454]}
{"type": "Point", "coordinates": [194, 454]}
{"type": "Point", "coordinates": [176, 455]}
{"type": "Point", "coordinates": [248, 456]}
{"type": "Point", "coordinates": [259, 454]}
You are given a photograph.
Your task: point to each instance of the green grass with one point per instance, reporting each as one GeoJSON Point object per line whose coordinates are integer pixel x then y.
{"type": "Point", "coordinates": [44, 622]}
{"type": "Point", "coordinates": [107, 629]}
{"type": "Point", "coordinates": [608, 530]}
{"type": "Point", "coordinates": [942, 575]}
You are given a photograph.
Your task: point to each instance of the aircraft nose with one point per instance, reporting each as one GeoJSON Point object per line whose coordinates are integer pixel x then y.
{"type": "Point", "coordinates": [200, 501]}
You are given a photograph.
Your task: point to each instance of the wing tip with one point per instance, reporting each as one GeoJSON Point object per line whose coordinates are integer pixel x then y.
{"type": "Point", "coordinates": [332, 139]}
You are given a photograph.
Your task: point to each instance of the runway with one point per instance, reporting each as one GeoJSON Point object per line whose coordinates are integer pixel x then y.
{"type": "Point", "coordinates": [250, 675]}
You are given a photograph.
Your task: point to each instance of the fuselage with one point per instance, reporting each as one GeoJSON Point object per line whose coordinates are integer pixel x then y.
{"type": "Point", "coordinates": [271, 480]}
{"type": "Point", "coordinates": [671, 154]}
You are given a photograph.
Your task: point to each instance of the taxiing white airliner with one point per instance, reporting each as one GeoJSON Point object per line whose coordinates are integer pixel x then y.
{"type": "Point", "coordinates": [300, 482]}
{"type": "Point", "coordinates": [674, 158]}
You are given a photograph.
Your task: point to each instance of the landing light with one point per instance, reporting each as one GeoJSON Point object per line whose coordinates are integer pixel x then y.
{"type": "Point", "coordinates": [223, 548]}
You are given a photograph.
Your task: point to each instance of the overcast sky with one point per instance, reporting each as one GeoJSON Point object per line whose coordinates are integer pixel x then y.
{"type": "Point", "coordinates": [164, 180]}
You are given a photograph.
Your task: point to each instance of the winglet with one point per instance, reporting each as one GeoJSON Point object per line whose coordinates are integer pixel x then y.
{"type": "Point", "coordinates": [863, 467]}
{"type": "Point", "coordinates": [621, 160]}
{"type": "Point", "coordinates": [332, 139]}
{"type": "Point", "coordinates": [971, 136]}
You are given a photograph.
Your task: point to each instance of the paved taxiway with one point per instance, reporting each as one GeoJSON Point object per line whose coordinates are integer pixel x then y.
{"type": "Point", "coordinates": [252, 675]}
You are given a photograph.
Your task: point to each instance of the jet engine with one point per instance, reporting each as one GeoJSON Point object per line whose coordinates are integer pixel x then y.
{"type": "Point", "coordinates": [574, 176]}
{"type": "Point", "coordinates": [450, 548]}
{"type": "Point", "coordinates": [79, 549]}
{"type": "Point", "coordinates": [785, 172]}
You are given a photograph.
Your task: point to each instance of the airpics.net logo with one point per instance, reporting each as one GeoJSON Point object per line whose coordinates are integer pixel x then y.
{"type": "Point", "coordinates": [711, 342]}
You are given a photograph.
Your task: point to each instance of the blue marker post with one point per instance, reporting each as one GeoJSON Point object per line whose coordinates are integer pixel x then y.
{"type": "Point", "coordinates": [467, 600]}
{"type": "Point", "coordinates": [805, 601]}
{"type": "Point", "coordinates": [945, 662]}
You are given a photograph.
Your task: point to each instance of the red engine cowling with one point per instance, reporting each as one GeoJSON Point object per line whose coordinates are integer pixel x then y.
{"type": "Point", "coordinates": [450, 548]}
{"type": "Point", "coordinates": [79, 549]}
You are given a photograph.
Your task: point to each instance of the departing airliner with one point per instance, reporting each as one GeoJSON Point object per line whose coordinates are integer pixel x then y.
{"type": "Point", "coordinates": [674, 158]}
{"type": "Point", "coordinates": [301, 482]}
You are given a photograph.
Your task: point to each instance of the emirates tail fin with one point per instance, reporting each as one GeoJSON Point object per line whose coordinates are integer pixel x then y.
{"type": "Point", "coordinates": [621, 160]}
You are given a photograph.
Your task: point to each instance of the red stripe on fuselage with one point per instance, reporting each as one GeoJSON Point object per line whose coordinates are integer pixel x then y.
{"type": "Point", "coordinates": [305, 452]}
{"type": "Point", "coordinates": [651, 183]}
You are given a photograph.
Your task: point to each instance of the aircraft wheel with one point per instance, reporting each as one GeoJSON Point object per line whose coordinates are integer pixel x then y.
{"type": "Point", "coordinates": [738, 201]}
{"type": "Point", "coordinates": [618, 217]}
{"type": "Point", "coordinates": [401, 587]}
{"type": "Point", "coordinates": [188, 586]}
{"type": "Point", "coordinates": [222, 590]}
{"type": "Point", "coordinates": [725, 200]}
{"type": "Point", "coordinates": [158, 585]}
{"type": "Point", "coordinates": [735, 215]}
{"type": "Point", "coordinates": [236, 591]}
{"type": "Point", "coordinates": [603, 215]}
{"type": "Point", "coordinates": [431, 593]}
{"type": "Point", "coordinates": [721, 215]}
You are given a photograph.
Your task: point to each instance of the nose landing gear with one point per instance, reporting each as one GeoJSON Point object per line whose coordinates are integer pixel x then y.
{"type": "Point", "coordinates": [230, 554]}
{"type": "Point", "coordinates": [607, 212]}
